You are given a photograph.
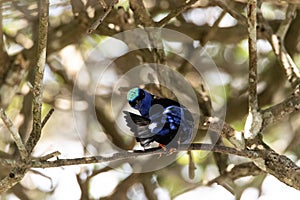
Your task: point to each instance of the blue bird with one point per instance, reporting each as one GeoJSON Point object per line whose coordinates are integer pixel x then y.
{"type": "Point", "coordinates": [162, 120]}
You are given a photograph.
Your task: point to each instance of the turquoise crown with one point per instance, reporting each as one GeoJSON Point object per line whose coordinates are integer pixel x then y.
{"type": "Point", "coordinates": [133, 94]}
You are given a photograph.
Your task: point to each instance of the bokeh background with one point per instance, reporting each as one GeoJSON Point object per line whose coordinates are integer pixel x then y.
{"type": "Point", "coordinates": [73, 88]}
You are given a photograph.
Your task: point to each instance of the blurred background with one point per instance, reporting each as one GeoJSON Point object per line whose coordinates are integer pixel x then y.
{"type": "Point", "coordinates": [87, 77]}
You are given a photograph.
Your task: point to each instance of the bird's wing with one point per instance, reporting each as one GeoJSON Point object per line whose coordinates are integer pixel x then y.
{"type": "Point", "coordinates": [183, 120]}
{"type": "Point", "coordinates": [139, 126]}
{"type": "Point", "coordinates": [163, 120]}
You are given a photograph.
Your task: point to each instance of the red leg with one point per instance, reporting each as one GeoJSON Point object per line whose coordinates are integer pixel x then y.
{"type": "Point", "coordinates": [163, 147]}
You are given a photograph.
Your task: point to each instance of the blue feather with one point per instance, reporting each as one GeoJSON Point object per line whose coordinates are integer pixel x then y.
{"type": "Point", "coordinates": [162, 120]}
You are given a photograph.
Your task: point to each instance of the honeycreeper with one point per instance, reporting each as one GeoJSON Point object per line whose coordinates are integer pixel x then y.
{"type": "Point", "coordinates": [162, 120]}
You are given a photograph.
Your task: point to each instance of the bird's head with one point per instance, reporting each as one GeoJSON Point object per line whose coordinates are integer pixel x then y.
{"type": "Point", "coordinates": [140, 100]}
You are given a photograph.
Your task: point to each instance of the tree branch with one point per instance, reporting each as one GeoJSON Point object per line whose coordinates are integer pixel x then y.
{"type": "Point", "coordinates": [15, 134]}
{"type": "Point", "coordinates": [39, 74]}
{"type": "Point", "coordinates": [281, 167]}
{"type": "Point", "coordinates": [141, 14]}
{"type": "Point", "coordinates": [17, 173]}
{"type": "Point", "coordinates": [136, 153]}
{"type": "Point", "coordinates": [42, 163]}
{"type": "Point", "coordinates": [280, 111]}
{"type": "Point", "coordinates": [1, 36]}
{"type": "Point", "coordinates": [277, 41]}
{"type": "Point", "coordinates": [100, 19]}
{"type": "Point", "coordinates": [225, 130]}
{"type": "Point", "coordinates": [49, 114]}
{"type": "Point", "coordinates": [175, 13]}
{"type": "Point", "coordinates": [252, 40]}
{"type": "Point", "coordinates": [254, 119]}
{"type": "Point", "coordinates": [236, 172]}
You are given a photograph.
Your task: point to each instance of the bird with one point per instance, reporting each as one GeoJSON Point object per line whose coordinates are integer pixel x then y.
{"type": "Point", "coordinates": [161, 120]}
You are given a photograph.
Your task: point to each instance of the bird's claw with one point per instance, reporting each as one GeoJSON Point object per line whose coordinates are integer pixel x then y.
{"type": "Point", "coordinates": [172, 150]}
{"type": "Point", "coordinates": [166, 150]}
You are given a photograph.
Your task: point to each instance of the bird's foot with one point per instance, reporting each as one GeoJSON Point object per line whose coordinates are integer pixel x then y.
{"type": "Point", "coordinates": [163, 147]}
{"type": "Point", "coordinates": [166, 150]}
{"type": "Point", "coordinates": [172, 150]}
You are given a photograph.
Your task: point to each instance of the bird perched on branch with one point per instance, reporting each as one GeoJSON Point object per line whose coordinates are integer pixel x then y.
{"type": "Point", "coordinates": [162, 120]}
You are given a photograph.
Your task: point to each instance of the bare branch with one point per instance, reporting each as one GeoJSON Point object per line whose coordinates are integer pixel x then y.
{"type": "Point", "coordinates": [8, 162]}
{"type": "Point", "coordinates": [142, 16]}
{"type": "Point", "coordinates": [252, 24]}
{"type": "Point", "coordinates": [133, 154]}
{"type": "Point", "coordinates": [17, 173]}
{"type": "Point", "coordinates": [100, 19]}
{"type": "Point", "coordinates": [39, 74]}
{"type": "Point", "coordinates": [103, 4]}
{"type": "Point", "coordinates": [15, 134]}
{"type": "Point", "coordinates": [214, 28]}
{"type": "Point", "coordinates": [217, 125]}
{"type": "Point", "coordinates": [1, 36]}
{"type": "Point", "coordinates": [254, 120]}
{"type": "Point", "coordinates": [175, 13]}
{"type": "Point", "coordinates": [280, 111]}
{"type": "Point", "coordinates": [192, 166]}
{"type": "Point", "coordinates": [50, 155]}
{"type": "Point", "coordinates": [222, 4]}
{"type": "Point", "coordinates": [282, 168]}
{"type": "Point", "coordinates": [277, 41]}
{"type": "Point", "coordinates": [236, 172]}
{"type": "Point", "coordinates": [49, 114]}
{"type": "Point", "coordinates": [14, 177]}
{"type": "Point", "coordinates": [285, 24]}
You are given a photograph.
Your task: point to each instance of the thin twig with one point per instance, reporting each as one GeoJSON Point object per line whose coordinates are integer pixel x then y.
{"type": "Point", "coordinates": [141, 13]}
{"type": "Point", "coordinates": [50, 155]}
{"type": "Point", "coordinates": [285, 24]}
{"type": "Point", "coordinates": [238, 171]}
{"type": "Point", "coordinates": [39, 74]}
{"type": "Point", "coordinates": [155, 40]}
{"type": "Point", "coordinates": [175, 13]}
{"type": "Point", "coordinates": [277, 41]}
{"type": "Point", "coordinates": [103, 4]}
{"type": "Point", "coordinates": [49, 114]}
{"type": "Point", "coordinates": [17, 173]}
{"type": "Point", "coordinates": [225, 130]}
{"type": "Point", "coordinates": [252, 24]}
{"type": "Point", "coordinates": [100, 19]}
{"type": "Point", "coordinates": [224, 5]}
{"type": "Point", "coordinates": [15, 134]}
{"type": "Point", "coordinates": [254, 120]}
{"type": "Point", "coordinates": [1, 36]}
{"type": "Point", "coordinates": [213, 29]}
{"type": "Point", "coordinates": [192, 166]}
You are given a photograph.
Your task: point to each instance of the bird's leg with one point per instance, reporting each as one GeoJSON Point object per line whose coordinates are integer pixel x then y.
{"type": "Point", "coordinates": [173, 149]}
{"type": "Point", "coordinates": [169, 151]}
{"type": "Point", "coordinates": [163, 147]}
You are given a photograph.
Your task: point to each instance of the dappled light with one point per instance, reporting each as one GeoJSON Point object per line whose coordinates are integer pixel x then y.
{"type": "Point", "coordinates": [214, 113]}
